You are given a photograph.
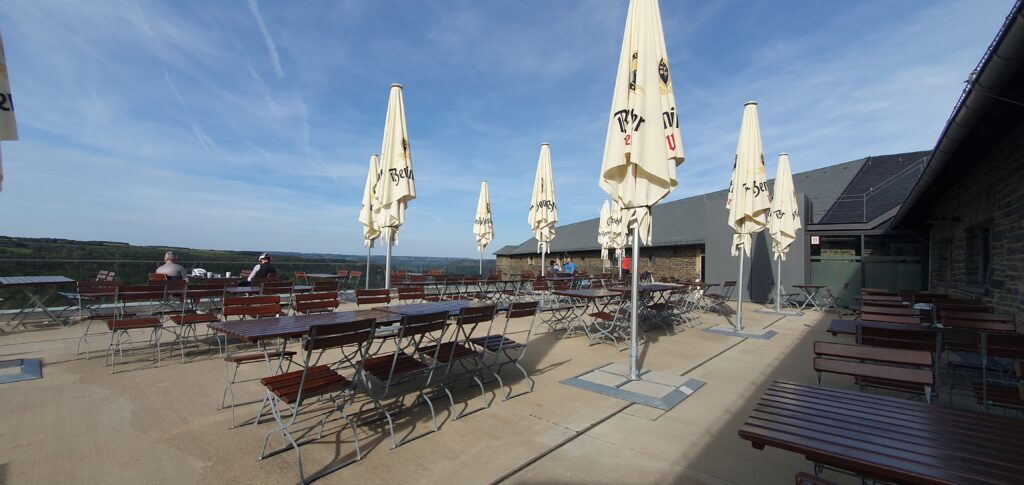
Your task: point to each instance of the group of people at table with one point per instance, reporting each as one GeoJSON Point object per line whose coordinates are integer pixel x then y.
{"type": "Point", "coordinates": [174, 271]}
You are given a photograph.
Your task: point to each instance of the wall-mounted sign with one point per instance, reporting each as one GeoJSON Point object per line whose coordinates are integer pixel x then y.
{"type": "Point", "coordinates": [815, 239]}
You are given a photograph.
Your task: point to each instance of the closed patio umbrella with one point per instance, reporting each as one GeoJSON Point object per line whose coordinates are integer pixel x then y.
{"type": "Point", "coordinates": [619, 233]}
{"type": "Point", "coordinates": [784, 220]}
{"type": "Point", "coordinates": [543, 211]}
{"type": "Point", "coordinates": [8, 126]}
{"type": "Point", "coordinates": [396, 186]}
{"type": "Point", "coordinates": [483, 225]}
{"type": "Point", "coordinates": [643, 146]}
{"type": "Point", "coordinates": [748, 200]}
{"type": "Point", "coordinates": [370, 229]}
{"type": "Point", "coordinates": [604, 236]}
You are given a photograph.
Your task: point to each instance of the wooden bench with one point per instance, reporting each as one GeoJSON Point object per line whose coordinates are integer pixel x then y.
{"type": "Point", "coordinates": [896, 369]}
{"type": "Point", "coordinates": [989, 322]}
{"type": "Point", "coordinates": [889, 318]}
{"type": "Point", "coordinates": [909, 338]}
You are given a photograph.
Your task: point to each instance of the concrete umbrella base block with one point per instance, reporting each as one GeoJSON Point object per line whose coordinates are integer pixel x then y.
{"type": "Point", "coordinates": [655, 389]}
{"type": "Point", "coordinates": [759, 334]}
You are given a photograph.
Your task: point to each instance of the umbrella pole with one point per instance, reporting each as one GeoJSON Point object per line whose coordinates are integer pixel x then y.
{"type": "Point", "coordinates": [542, 271]}
{"type": "Point", "coordinates": [634, 371]}
{"type": "Point", "coordinates": [739, 293]}
{"type": "Point", "coordinates": [778, 289]}
{"type": "Point", "coordinates": [368, 251]}
{"type": "Point", "coordinates": [481, 263]}
{"type": "Point", "coordinates": [387, 268]}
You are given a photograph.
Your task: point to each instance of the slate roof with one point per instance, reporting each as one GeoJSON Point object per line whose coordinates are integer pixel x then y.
{"type": "Point", "coordinates": [682, 222]}
{"type": "Point", "coordinates": [881, 184]}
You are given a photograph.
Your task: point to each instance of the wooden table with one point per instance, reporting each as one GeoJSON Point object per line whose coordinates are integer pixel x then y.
{"type": "Point", "coordinates": [810, 292]}
{"type": "Point", "coordinates": [886, 438]}
{"type": "Point", "coordinates": [294, 326]}
{"type": "Point", "coordinates": [453, 307]}
{"type": "Point", "coordinates": [33, 287]}
{"type": "Point", "coordinates": [245, 290]}
{"type": "Point", "coordinates": [324, 276]}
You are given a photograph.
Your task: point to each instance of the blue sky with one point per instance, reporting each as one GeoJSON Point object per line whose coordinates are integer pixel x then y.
{"type": "Point", "coordinates": [248, 124]}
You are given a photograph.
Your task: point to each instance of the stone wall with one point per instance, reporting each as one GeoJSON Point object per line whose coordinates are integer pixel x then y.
{"type": "Point", "coordinates": [983, 208]}
{"type": "Point", "coordinates": [665, 262]}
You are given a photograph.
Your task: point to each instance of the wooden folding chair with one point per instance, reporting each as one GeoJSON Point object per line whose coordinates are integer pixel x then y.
{"type": "Point", "coordinates": [459, 350]}
{"type": "Point", "coordinates": [289, 392]}
{"type": "Point", "coordinates": [120, 327]}
{"type": "Point", "coordinates": [373, 297]}
{"type": "Point", "coordinates": [191, 314]}
{"type": "Point", "coordinates": [405, 371]}
{"type": "Point", "coordinates": [500, 345]}
{"type": "Point", "coordinates": [414, 294]}
{"type": "Point", "coordinates": [244, 307]}
{"type": "Point", "coordinates": [322, 302]}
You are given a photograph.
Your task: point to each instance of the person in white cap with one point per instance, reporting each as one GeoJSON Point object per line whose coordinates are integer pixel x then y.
{"type": "Point", "coordinates": [264, 269]}
{"type": "Point", "coordinates": [171, 268]}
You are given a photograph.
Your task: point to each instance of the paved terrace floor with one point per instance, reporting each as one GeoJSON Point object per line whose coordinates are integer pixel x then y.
{"type": "Point", "coordinates": [161, 424]}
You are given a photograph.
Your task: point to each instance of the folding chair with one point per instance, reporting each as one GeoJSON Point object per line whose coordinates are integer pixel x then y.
{"type": "Point", "coordinates": [90, 295]}
{"type": "Point", "coordinates": [614, 320]}
{"type": "Point", "coordinates": [120, 327]}
{"type": "Point", "coordinates": [322, 302]}
{"type": "Point", "coordinates": [301, 277]}
{"type": "Point", "coordinates": [405, 371]}
{"type": "Point", "coordinates": [249, 307]}
{"type": "Point", "coordinates": [373, 297]}
{"type": "Point", "coordinates": [414, 294]}
{"type": "Point", "coordinates": [831, 301]}
{"type": "Point", "coordinates": [459, 350]}
{"type": "Point", "coordinates": [354, 277]}
{"type": "Point", "coordinates": [499, 345]}
{"type": "Point", "coordinates": [157, 278]}
{"type": "Point", "coordinates": [282, 289]}
{"type": "Point", "coordinates": [721, 300]}
{"type": "Point", "coordinates": [322, 382]}
{"type": "Point", "coordinates": [191, 315]}
{"type": "Point", "coordinates": [325, 285]}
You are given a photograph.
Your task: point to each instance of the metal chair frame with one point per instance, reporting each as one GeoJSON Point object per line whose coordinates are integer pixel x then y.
{"type": "Point", "coordinates": [320, 382]}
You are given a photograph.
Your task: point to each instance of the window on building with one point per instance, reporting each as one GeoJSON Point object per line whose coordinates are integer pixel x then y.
{"type": "Point", "coordinates": [978, 254]}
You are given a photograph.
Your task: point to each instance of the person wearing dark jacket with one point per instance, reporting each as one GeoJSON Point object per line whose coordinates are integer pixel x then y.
{"type": "Point", "coordinates": [263, 270]}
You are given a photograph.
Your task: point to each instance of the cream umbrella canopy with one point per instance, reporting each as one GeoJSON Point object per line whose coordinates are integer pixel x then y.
{"type": "Point", "coordinates": [396, 186]}
{"type": "Point", "coordinates": [483, 224]}
{"type": "Point", "coordinates": [370, 229]}
{"type": "Point", "coordinates": [543, 211]}
{"type": "Point", "coordinates": [640, 159]}
{"type": "Point", "coordinates": [784, 220]}
{"type": "Point", "coordinates": [748, 200]}
{"type": "Point", "coordinates": [619, 233]}
{"type": "Point", "coordinates": [8, 126]}
{"type": "Point", "coordinates": [604, 236]}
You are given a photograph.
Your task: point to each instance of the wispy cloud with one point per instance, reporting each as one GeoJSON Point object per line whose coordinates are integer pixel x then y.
{"type": "Point", "coordinates": [486, 83]}
{"type": "Point", "coordinates": [254, 8]}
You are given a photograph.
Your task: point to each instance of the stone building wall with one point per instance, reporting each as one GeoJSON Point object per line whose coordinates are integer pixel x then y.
{"type": "Point", "coordinates": [680, 262]}
{"type": "Point", "coordinates": [983, 209]}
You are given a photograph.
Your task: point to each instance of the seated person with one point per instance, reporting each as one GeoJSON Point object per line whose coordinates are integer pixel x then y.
{"type": "Point", "coordinates": [263, 270]}
{"type": "Point", "coordinates": [171, 268]}
{"type": "Point", "coordinates": [569, 266]}
{"type": "Point", "coordinates": [555, 267]}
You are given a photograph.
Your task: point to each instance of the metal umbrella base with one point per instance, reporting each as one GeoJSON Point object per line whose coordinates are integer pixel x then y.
{"type": "Point", "coordinates": [731, 331]}
{"type": "Point", "coordinates": [655, 389]}
{"type": "Point", "coordinates": [779, 312]}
